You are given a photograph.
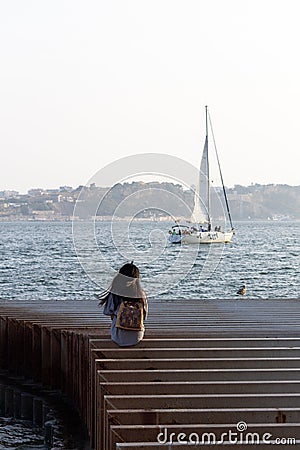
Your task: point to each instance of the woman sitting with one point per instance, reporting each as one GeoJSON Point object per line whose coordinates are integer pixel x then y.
{"type": "Point", "coordinates": [125, 287]}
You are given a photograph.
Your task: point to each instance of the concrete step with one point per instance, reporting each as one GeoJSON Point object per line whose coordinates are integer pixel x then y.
{"type": "Point", "coordinates": [191, 342]}
{"type": "Point", "coordinates": [200, 375]}
{"type": "Point", "coordinates": [200, 352]}
{"type": "Point", "coordinates": [199, 387]}
{"type": "Point", "coordinates": [202, 433]}
{"type": "Point", "coordinates": [202, 415]}
{"type": "Point", "coordinates": [197, 363]}
{"type": "Point", "coordinates": [238, 359]}
{"type": "Point", "coordinates": [227, 445]}
{"type": "Point", "coordinates": [209, 401]}
{"type": "Point", "coordinates": [112, 436]}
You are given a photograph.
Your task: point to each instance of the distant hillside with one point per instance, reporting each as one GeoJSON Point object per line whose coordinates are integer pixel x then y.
{"type": "Point", "coordinates": [138, 199]}
{"type": "Point", "coordinates": [265, 201]}
{"type": "Point", "coordinates": [255, 201]}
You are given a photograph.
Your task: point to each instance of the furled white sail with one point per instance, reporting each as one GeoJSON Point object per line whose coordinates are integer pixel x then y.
{"type": "Point", "coordinates": [201, 198]}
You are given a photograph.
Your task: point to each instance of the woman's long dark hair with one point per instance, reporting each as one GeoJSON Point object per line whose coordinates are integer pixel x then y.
{"type": "Point", "coordinates": [126, 284]}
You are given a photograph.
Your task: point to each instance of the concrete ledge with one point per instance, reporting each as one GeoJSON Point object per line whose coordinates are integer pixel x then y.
{"type": "Point", "coordinates": [195, 363]}
{"type": "Point", "coordinates": [151, 446]}
{"type": "Point", "coordinates": [222, 363]}
{"type": "Point", "coordinates": [158, 376]}
{"type": "Point", "coordinates": [203, 432]}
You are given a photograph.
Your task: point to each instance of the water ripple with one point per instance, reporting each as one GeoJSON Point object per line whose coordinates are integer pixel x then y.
{"type": "Point", "coordinates": [38, 261]}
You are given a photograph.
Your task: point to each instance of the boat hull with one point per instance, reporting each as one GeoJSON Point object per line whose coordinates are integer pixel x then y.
{"type": "Point", "coordinates": [204, 237]}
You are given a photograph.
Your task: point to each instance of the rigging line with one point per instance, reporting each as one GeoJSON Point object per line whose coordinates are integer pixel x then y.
{"type": "Point", "coordinates": [223, 186]}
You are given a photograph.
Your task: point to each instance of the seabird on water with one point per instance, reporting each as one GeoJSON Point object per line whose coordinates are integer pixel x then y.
{"type": "Point", "coordinates": [242, 290]}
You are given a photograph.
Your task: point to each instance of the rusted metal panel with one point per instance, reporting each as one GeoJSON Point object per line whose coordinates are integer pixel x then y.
{"type": "Point", "coordinates": [55, 352]}
{"type": "Point", "coordinates": [37, 354]}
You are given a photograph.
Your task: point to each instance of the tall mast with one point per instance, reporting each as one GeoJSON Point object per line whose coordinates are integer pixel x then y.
{"type": "Point", "coordinates": [208, 184]}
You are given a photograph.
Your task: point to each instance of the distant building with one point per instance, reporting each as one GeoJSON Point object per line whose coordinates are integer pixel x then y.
{"type": "Point", "coordinates": [52, 191]}
{"type": "Point", "coordinates": [64, 198]}
{"type": "Point", "coordinates": [35, 192]}
{"type": "Point", "coordinates": [65, 188]}
{"type": "Point", "coordinates": [8, 194]}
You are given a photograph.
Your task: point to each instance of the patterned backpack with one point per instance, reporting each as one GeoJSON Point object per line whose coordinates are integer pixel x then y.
{"type": "Point", "coordinates": [130, 316]}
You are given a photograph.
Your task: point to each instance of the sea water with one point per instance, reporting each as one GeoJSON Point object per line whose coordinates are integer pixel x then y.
{"type": "Point", "coordinates": [39, 261]}
{"type": "Point", "coordinates": [20, 435]}
{"type": "Point", "coordinates": [45, 261]}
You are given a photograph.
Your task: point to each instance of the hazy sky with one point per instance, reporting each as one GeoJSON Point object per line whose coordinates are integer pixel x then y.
{"type": "Point", "coordinates": [84, 83]}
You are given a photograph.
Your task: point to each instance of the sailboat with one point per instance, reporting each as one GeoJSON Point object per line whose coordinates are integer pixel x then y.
{"type": "Point", "coordinates": [200, 229]}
